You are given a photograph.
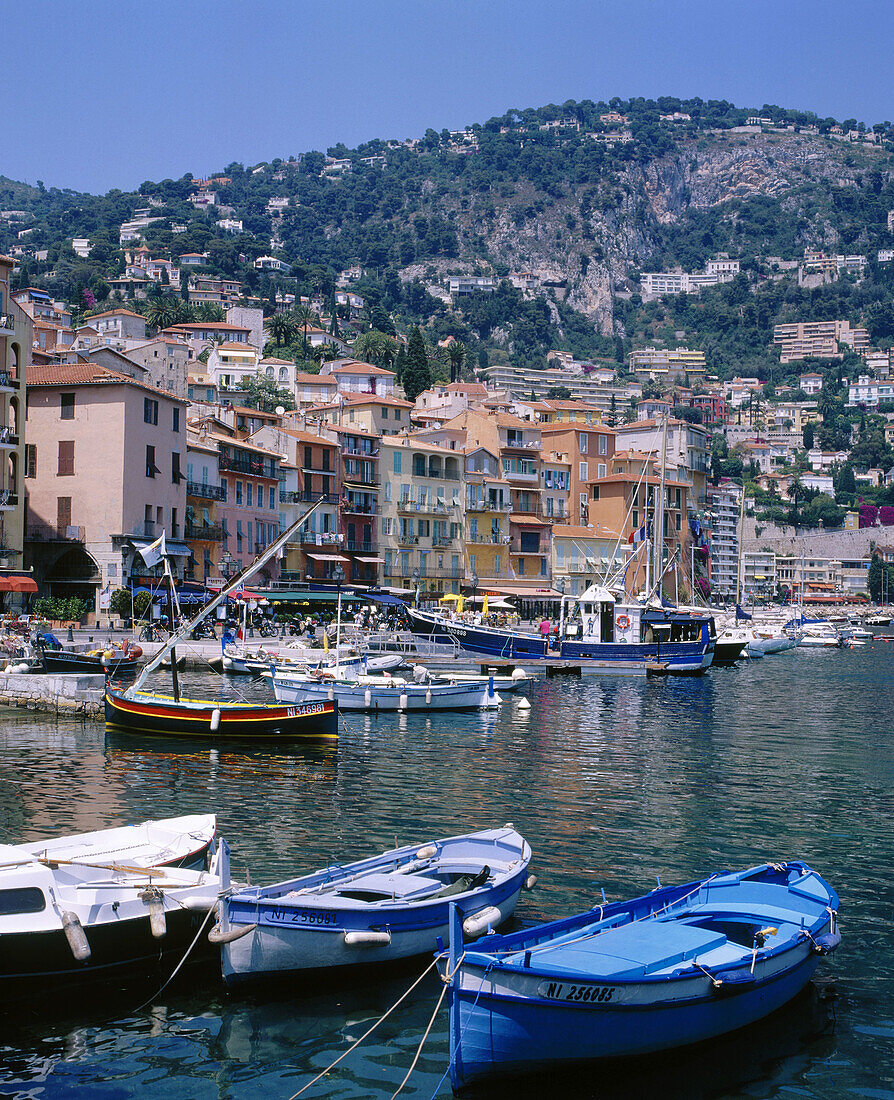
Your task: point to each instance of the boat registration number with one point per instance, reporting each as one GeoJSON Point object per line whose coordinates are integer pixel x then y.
{"type": "Point", "coordinates": [284, 915]}
{"type": "Point", "coordinates": [580, 994]}
{"type": "Point", "coordinates": [308, 708]}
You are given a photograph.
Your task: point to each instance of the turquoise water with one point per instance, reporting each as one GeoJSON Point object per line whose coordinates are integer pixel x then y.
{"type": "Point", "coordinates": [613, 782]}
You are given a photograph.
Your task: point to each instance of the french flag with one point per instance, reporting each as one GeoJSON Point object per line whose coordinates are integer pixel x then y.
{"type": "Point", "coordinates": [637, 536]}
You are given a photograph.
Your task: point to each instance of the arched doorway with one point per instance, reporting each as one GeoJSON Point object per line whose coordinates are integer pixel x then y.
{"type": "Point", "coordinates": [74, 573]}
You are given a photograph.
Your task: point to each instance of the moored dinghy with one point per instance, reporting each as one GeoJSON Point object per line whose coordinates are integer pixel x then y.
{"type": "Point", "coordinates": [678, 966]}
{"type": "Point", "coordinates": [382, 909]}
{"type": "Point", "coordinates": [172, 842]}
{"type": "Point", "coordinates": [71, 921]}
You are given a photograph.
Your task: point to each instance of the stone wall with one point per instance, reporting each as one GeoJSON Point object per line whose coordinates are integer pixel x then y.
{"type": "Point", "coordinates": [841, 545]}
{"type": "Point", "coordinates": [73, 693]}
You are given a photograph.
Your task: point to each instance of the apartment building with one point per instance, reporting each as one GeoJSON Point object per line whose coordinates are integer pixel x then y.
{"type": "Point", "coordinates": [250, 511]}
{"type": "Point", "coordinates": [487, 509]}
{"type": "Point", "coordinates": [203, 530]}
{"type": "Point", "coordinates": [724, 502]}
{"type": "Point", "coordinates": [104, 477]}
{"type": "Point", "coordinates": [668, 364]}
{"type": "Point", "coordinates": [360, 506]}
{"type": "Point", "coordinates": [822, 339]}
{"type": "Point", "coordinates": [16, 340]}
{"type": "Point", "coordinates": [584, 555]}
{"type": "Point", "coordinates": [686, 448]}
{"type": "Point", "coordinates": [421, 529]}
{"type": "Point", "coordinates": [313, 466]}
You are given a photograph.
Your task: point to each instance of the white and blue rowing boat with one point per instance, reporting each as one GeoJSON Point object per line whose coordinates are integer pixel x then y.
{"type": "Point", "coordinates": [389, 907]}
{"type": "Point", "coordinates": [676, 967]}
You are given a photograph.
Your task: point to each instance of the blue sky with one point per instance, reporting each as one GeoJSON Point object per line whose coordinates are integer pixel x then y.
{"type": "Point", "coordinates": [108, 93]}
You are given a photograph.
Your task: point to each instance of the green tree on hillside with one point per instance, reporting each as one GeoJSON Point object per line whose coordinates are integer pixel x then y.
{"type": "Point", "coordinates": [416, 375]}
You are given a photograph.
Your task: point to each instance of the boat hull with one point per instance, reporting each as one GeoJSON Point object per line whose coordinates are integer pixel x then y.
{"type": "Point", "coordinates": [61, 660]}
{"type": "Point", "coordinates": [40, 964]}
{"type": "Point", "coordinates": [379, 910]}
{"type": "Point", "coordinates": [673, 968]}
{"type": "Point", "coordinates": [682, 657]}
{"type": "Point", "coordinates": [317, 720]}
{"type": "Point", "coordinates": [400, 697]}
{"type": "Point", "coordinates": [508, 1032]}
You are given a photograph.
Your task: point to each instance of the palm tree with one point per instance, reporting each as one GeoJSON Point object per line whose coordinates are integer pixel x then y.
{"type": "Point", "coordinates": [374, 347]}
{"type": "Point", "coordinates": [456, 353]}
{"type": "Point", "coordinates": [162, 310]}
{"type": "Point", "coordinates": [282, 328]}
{"type": "Point", "coordinates": [305, 318]}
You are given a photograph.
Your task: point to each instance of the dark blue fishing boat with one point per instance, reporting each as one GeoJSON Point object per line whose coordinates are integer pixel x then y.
{"type": "Point", "coordinates": [623, 634]}
{"type": "Point", "coordinates": [676, 967]}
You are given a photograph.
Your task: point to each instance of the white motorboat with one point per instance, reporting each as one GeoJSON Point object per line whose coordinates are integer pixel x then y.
{"type": "Point", "coordinates": [819, 635]}
{"type": "Point", "coordinates": [385, 692]}
{"type": "Point", "coordinates": [255, 662]}
{"type": "Point", "coordinates": [72, 921]}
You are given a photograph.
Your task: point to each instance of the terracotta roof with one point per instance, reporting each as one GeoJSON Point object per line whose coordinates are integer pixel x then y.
{"type": "Point", "coordinates": [308, 437]}
{"type": "Point", "coordinates": [633, 476]}
{"type": "Point", "coordinates": [507, 420]}
{"type": "Point", "coordinates": [572, 426]}
{"type": "Point", "coordinates": [467, 387]}
{"type": "Point", "coordinates": [361, 368]}
{"type": "Point", "coordinates": [115, 313]}
{"type": "Point", "coordinates": [306, 379]}
{"type": "Point", "coordinates": [81, 374]}
{"type": "Point", "coordinates": [236, 345]}
{"type": "Point", "coordinates": [207, 324]}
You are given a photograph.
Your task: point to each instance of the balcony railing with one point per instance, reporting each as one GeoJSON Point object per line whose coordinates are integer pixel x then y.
{"type": "Point", "coordinates": [203, 532]}
{"type": "Point", "coordinates": [305, 496]}
{"type": "Point", "coordinates": [442, 540]}
{"type": "Point", "coordinates": [47, 532]}
{"type": "Point", "coordinates": [255, 466]}
{"type": "Point", "coordinates": [7, 381]}
{"type": "Point", "coordinates": [428, 507]}
{"type": "Point", "coordinates": [486, 538]}
{"type": "Point", "coordinates": [205, 491]}
{"type": "Point", "coordinates": [515, 547]}
{"type": "Point", "coordinates": [8, 438]}
{"type": "Point", "coordinates": [356, 508]}
{"type": "Point", "coordinates": [318, 538]}
{"type": "Point", "coordinates": [359, 547]}
{"type": "Point", "coordinates": [408, 540]}
{"type": "Point", "coordinates": [454, 572]}
{"type": "Point", "coordinates": [488, 506]}
{"type": "Point", "coordinates": [353, 453]}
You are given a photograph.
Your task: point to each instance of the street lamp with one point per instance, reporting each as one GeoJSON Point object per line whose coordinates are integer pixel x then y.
{"type": "Point", "coordinates": [416, 576]}
{"type": "Point", "coordinates": [338, 575]}
{"type": "Point", "coordinates": [560, 585]}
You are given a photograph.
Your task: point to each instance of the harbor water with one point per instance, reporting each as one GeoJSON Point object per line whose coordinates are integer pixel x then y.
{"type": "Point", "coordinates": [614, 782]}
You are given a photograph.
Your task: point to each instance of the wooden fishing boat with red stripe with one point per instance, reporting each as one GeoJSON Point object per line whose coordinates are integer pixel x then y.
{"type": "Point", "coordinates": [149, 712]}
{"type": "Point", "coordinates": [152, 712]}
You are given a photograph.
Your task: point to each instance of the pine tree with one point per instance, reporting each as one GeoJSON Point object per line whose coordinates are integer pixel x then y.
{"type": "Point", "coordinates": [400, 363]}
{"type": "Point", "coordinates": [416, 375]}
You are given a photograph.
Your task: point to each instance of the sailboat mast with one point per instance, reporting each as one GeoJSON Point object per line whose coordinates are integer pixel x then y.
{"type": "Point", "coordinates": [659, 513]}
{"type": "Point", "coordinates": [237, 581]}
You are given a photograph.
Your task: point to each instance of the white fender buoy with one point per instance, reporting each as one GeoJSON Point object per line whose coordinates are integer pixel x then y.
{"type": "Point", "coordinates": [76, 936]}
{"type": "Point", "coordinates": [215, 720]}
{"type": "Point", "coordinates": [330, 694]}
{"type": "Point", "coordinates": [402, 701]}
{"type": "Point", "coordinates": [524, 703]}
{"type": "Point", "coordinates": [367, 939]}
{"type": "Point", "coordinates": [428, 696]}
{"type": "Point", "coordinates": [154, 899]}
{"type": "Point", "coordinates": [479, 922]}
{"type": "Point", "coordinates": [367, 698]}
{"type": "Point", "coordinates": [518, 674]}
{"type": "Point", "coordinates": [530, 882]}
{"type": "Point", "coordinates": [428, 852]}
{"type": "Point", "coordinates": [236, 932]}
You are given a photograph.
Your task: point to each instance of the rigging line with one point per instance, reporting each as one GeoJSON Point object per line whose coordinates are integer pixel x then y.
{"type": "Point", "coordinates": [368, 1032]}
{"type": "Point", "coordinates": [421, 1043]}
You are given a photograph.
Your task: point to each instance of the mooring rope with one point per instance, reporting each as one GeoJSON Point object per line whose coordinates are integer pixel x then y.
{"type": "Point", "coordinates": [367, 1033]}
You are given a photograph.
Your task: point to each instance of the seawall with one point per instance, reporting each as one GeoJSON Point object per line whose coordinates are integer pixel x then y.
{"type": "Point", "coordinates": [68, 693]}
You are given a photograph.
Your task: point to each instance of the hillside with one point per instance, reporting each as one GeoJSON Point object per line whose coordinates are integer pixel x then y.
{"type": "Point", "coordinates": [584, 196]}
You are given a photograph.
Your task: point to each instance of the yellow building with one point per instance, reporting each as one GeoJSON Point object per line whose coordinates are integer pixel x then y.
{"type": "Point", "coordinates": [487, 510]}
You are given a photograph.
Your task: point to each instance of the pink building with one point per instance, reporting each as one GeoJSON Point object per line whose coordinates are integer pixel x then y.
{"type": "Point", "coordinates": [104, 476]}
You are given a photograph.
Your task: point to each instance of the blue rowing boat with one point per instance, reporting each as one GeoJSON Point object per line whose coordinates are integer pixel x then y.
{"type": "Point", "coordinates": [676, 967]}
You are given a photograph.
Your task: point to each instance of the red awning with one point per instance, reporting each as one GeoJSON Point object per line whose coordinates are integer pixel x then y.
{"type": "Point", "coordinates": [17, 584]}
{"type": "Point", "coordinates": [328, 557]}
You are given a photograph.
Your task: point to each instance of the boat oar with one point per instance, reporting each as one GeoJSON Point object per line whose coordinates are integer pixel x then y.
{"type": "Point", "coordinates": [49, 861]}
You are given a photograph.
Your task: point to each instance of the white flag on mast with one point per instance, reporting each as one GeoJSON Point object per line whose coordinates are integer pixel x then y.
{"type": "Point", "coordinates": [154, 552]}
